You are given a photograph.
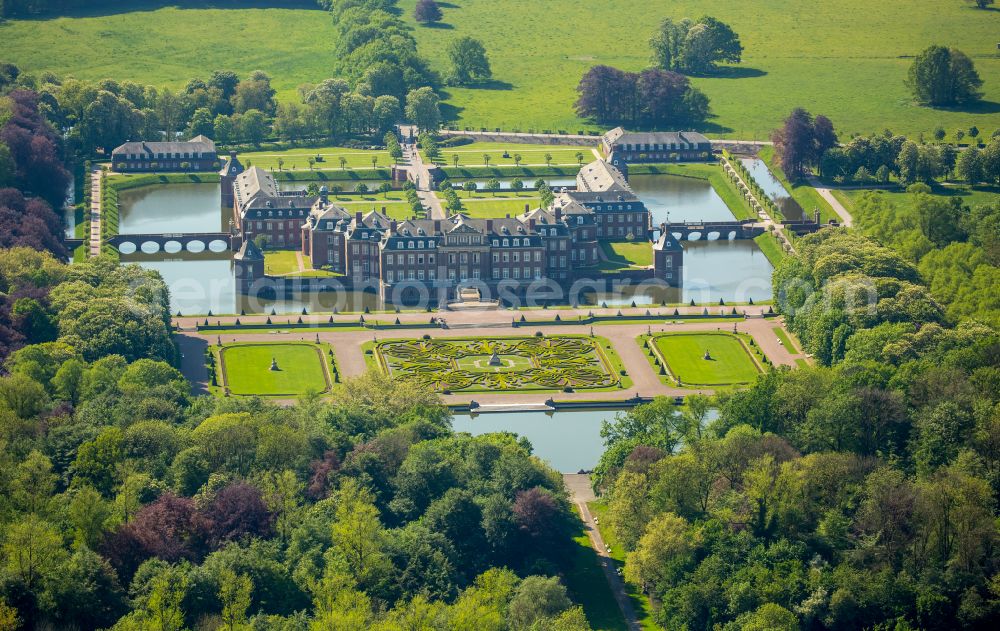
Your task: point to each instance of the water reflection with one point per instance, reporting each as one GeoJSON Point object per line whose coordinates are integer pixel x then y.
{"type": "Point", "coordinates": [172, 209]}
{"type": "Point", "coordinates": [685, 199]}
{"type": "Point", "coordinates": [773, 188]}
{"type": "Point", "coordinates": [568, 441]}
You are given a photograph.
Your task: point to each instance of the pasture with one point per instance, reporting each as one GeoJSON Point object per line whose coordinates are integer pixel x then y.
{"type": "Point", "coordinates": [728, 362]}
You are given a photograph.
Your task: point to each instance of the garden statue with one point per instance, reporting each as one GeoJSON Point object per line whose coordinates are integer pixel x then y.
{"type": "Point", "coordinates": [274, 364]}
{"type": "Point", "coordinates": [495, 359]}
{"type": "Point", "coordinates": [708, 356]}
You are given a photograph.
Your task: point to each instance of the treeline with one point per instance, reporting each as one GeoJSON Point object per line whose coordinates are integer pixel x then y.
{"type": "Point", "coordinates": [805, 143]}
{"type": "Point", "coordinates": [860, 493]}
{"type": "Point", "coordinates": [100, 115]}
{"type": "Point", "coordinates": [954, 245]}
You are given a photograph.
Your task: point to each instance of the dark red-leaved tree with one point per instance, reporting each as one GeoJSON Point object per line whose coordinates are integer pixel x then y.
{"type": "Point", "coordinates": [607, 95]}
{"type": "Point", "coordinates": [321, 470]}
{"type": "Point", "coordinates": [236, 512]}
{"type": "Point", "coordinates": [35, 148]}
{"type": "Point", "coordinates": [661, 96]}
{"type": "Point", "coordinates": [166, 529]}
{"type": "Point", "coordinates": [795, 143]}
{"type": "Point", "coordinates": [29, 222]}
{"type": "Point", "coordinates": [535, 511]}
{"type": "Point", "coordinates": [427, 12]}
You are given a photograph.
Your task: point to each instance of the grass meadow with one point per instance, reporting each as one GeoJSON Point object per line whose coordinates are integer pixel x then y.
{"type": "Point", "coordinates": [843, 58]}
{"type": "Point", "coordinates": [169, 45]}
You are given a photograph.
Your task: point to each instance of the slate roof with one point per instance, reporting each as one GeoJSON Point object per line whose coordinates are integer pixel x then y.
{"type": "Point", "coordinates": [249, 252]}
{"type": "Point", "coordinates": [601, 176]}
{"type": "Point", "coordinates": [199, 144]}
{"type": "Point", "coordinates": [618, 136]}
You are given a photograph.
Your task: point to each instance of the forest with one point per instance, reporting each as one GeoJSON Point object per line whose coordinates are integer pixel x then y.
{"type": "Point", "coordinates": [857, 493]}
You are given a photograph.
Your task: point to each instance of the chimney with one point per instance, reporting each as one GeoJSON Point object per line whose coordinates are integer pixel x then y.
{"type": "Point", "coordinates": [489, 225]}
{"type": "Point", "coordinates": [527, 207]}
{"type": "Point", "coordinates": [437, 225]}
{"type": "Point", "coordinates": [358, 216]}
{"type": "Point", "coordinates": [531, 224]}
{"type": "Point", "coordinates": [383, 210]}
{"type": "Point", "coordinates": [508, 215]}
{"type": "Point", "coordinates": [558, 213]}
{"type": "Point", "coordinates": [392, 226]}
{"type": "Point", "coordinates": [232, 154]}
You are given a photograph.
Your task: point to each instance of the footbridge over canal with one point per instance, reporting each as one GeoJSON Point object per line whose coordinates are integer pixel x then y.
{"type": "Point", "coordinates": [173, 243]}
{"type": "Point", "coordinates": [713, 230]}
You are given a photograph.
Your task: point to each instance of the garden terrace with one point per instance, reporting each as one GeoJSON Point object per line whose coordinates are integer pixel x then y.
{"type": "Point", "coordinates": [704, 359]}
{"type": "Point", "coordinates": [503, 364]}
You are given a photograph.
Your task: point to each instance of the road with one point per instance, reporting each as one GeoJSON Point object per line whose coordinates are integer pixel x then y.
{"type": "Point", "coordinates": [826, 193]}
{"type": "Point", "coordinates": [580, 492]}
{"type": "Point", "coordinates": [94, 248]}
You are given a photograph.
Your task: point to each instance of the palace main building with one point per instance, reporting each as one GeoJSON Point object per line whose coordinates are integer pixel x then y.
{"type": "Point", "coordinates": [403, 259]}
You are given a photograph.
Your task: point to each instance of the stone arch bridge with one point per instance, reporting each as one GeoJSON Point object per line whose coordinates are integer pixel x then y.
{"type": "Point", "coordinates": [194, 243]}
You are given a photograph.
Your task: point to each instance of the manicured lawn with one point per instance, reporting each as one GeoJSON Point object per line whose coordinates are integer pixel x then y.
{"type": "Point", "coordinates": [297, 159]}
{"type": "Point", "coordinates": [684, 353]}
{"type": "Point", "coordinates": [279, 262]}
{"type": "Point", "coordinates": [843, 58]}
{"type": "Point", "coordinates": [497, 208]}
{"type": "Point", "coordinates": [248, 368]}
{"type": "Point", "coordinates": [805, 195]}
{"type": "Point", "coordinates": [394, 210]}
{"type": "Point", "coordinates": [472, 154]}
{"type": "Point", "coordinates": [628, 253]}
{"type": "Point", "coordinates": [971, 196]}
{"type": "Point", "coordinates": [771, 248]}
{"type": "Point", "coordinates": [784, 339]}
{"type": "Point", "coordinates": [168, 46]}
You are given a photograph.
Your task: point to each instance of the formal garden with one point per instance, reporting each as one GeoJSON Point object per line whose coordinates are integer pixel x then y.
{"type": "Point", "coordinates": [557, 363]}
{"type": "Point", "coordinates": [715, 358]}
{"type": "Point", "coordinates": [269, 369]}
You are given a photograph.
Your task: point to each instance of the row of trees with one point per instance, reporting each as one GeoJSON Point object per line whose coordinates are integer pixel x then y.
{"type": "Point", "coordinates": [857, 493]}
{"type": "Point", "coordinates": [651, 98]}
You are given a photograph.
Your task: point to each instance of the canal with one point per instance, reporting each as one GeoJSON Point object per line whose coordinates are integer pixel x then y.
{"type": "Point", "coordinates": [733, 271]}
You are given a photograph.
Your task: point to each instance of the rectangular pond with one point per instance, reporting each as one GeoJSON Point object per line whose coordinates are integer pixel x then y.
{"type": "Point", "coordinates": [679, 199]}
{"type": "Point", "coordinates": [570, 441]}
{"type": "Point", "coordinates": [172, 209]}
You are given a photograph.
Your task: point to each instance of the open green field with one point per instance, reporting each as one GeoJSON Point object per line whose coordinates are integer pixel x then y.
{"type": "Point", "coordinates": [843, 58]}
{"type": "Point", "coordinates": [588, 586]}
{"type": "Point", "coordinates": [684, 353]}
{"type": "Point", "coordinates": [531, 155]}
{"type": "Point", "coordinates": [551, 363]}
{"type": "Point", "coordinates": [394, 210]}
{"type": "Point", "coordinates": [297, 159]}
{"type": "Point", "coordinates": [168, 46]}
{"type": "Point", "coordinates": [628, 253]}
{"type": "Point", "coordinates": [247, 368]}
{"type": "Point", "coordinates": [280, 262]}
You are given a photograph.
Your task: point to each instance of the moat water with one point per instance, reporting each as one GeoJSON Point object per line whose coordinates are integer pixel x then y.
{"type": "Point", "coordinates": [570, 441]}
{"type": "Point", "coordinates": [773, 188]}
{"type": "Point", "coordinates": [734, 271]}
